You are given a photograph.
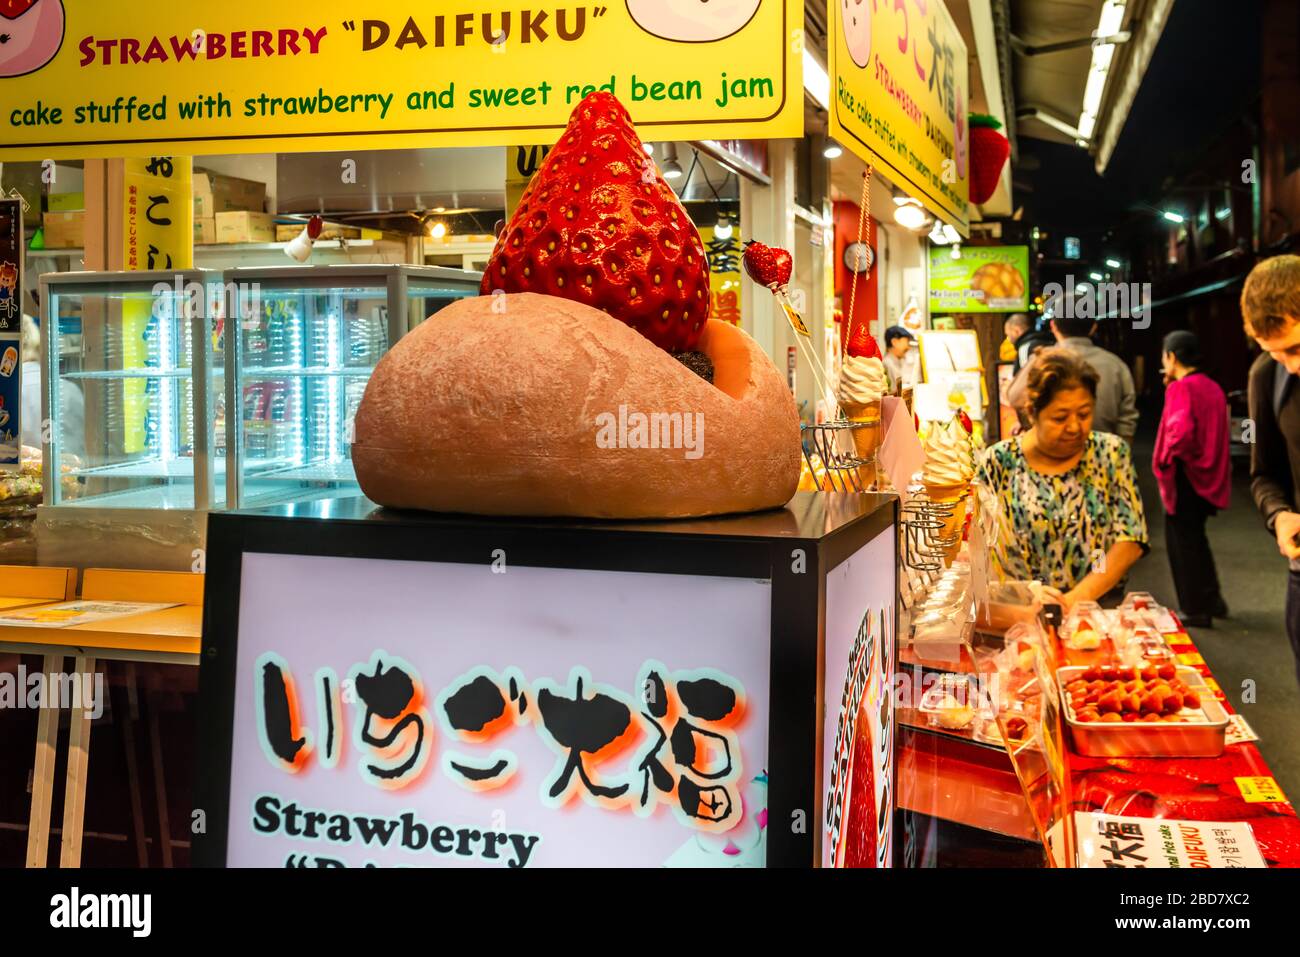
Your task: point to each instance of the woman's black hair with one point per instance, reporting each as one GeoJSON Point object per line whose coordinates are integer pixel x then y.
{"type": "Point", "coordinates": [1185, 346]}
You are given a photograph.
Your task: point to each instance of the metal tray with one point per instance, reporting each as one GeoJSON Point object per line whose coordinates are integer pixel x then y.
{"type": "Point", "coordinates": [1149, 739]}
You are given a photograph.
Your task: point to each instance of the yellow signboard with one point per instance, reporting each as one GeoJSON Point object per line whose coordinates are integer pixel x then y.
{"type": "Point", "coordinates": [80, 78]}
{"type": "Point", "coordinates": [900, 89]}
{"type": "Point", "coordinates": [725, 280]}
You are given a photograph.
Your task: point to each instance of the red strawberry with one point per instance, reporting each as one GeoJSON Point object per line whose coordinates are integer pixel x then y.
{"type": "Point", "coordinates": [599, 225]}
{"type": "Point", "coordinates": [862, 343]}
{"type": "Point", "coordinates": [989, 151]}
{"type": "Point", "coordinates": [769, 266]}
{"type": "Point", "coordinates": [13, 9]}
{"type": "Point", "coordinates": [966, 423]}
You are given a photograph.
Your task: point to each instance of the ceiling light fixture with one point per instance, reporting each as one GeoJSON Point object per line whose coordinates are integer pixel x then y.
{"type": "Point", "coordinates": [1107, 35]}
{"type": "Point", "coordinates": [910, 214]}
{"type": "Point", "coordinates": [1173, 217]}
{"type": "Point", "coordinates": [672, 168]}
{"type": "Point", "coordinates": [833, 150]}
{"type": "Point", "coordinates": [724, 228]}
{"type": "Point", "coordinates": [816, 81]}
{"type": "Point", "coordinates": [1113, 263]}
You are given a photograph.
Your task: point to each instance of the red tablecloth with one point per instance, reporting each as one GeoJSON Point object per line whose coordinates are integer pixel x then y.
{"type": "Point", "coordinates": [1193, 789]}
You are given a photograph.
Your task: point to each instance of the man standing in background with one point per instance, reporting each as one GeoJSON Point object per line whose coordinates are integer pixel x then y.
{"type": "Point", "coordinates": [1270, 304]}
{"type": "Point", "coordinates": [1014, 329]}
{"type": "Point", "coordinates": [1116, 408]}
{"type": "Point", "coordinates": [900, 361]}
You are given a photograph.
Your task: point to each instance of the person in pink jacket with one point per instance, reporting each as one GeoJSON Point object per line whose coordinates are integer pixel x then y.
{"type": "Point", "coordinates": [1194, 472]}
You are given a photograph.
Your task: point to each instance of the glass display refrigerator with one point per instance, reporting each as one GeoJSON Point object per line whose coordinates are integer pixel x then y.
{"type": "Point", "coordinates": [157, 410]}
{"type": "Point", "coordinates": [309, 338]}
{"type": "Point", "coordinates": [133, 364]}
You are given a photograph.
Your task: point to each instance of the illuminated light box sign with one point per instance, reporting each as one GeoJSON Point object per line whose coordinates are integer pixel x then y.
{"type": "Point", "coordinates": [81, 79]}
{"type": "Point", "coordinates": [983, 279]}
{"type": "Point", "coordinates": [900, 92]}
{"type": "Point", "coordinates": [531, 718]}
{"type": "Point", "coordinates": [858, 776]}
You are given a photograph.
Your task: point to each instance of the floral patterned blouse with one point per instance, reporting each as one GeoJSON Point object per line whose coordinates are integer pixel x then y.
{"type": "Point", "coordinates": [1052, 528]}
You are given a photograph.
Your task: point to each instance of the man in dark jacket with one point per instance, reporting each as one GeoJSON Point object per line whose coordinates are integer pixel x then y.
{"type": "Point", "coordinates": [1270, 304]}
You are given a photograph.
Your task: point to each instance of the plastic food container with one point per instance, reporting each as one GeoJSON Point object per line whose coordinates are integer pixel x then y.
{"type": "Point", "coordinates": [1149, 739]}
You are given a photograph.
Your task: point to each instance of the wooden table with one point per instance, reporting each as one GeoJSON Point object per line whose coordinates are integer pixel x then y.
{"type": "Point", "coordinates": [169, 636]}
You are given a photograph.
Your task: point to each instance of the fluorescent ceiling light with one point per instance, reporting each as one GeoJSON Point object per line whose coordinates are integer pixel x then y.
{"type": "Point", "coordinates": [1103, 52]}
{"type": "Point", "coordinates": [1095, 276]}
{"type": "Point", "coordinates": [1113, 263]}
{"type": "Point", "coordinates": [1222, 214]}
{"type": "Point", "coordinates": [816, 81]}
{"type": "Point", "coordinates": [1172, 216]}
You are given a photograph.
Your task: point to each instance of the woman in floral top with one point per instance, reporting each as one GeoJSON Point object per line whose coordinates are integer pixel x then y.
{"type": "Point", "coordinates": [1070, 511]}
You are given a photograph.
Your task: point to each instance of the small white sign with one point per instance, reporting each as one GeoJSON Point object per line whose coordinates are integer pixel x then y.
{"type": "Point", "coordinates": [1108, 840]}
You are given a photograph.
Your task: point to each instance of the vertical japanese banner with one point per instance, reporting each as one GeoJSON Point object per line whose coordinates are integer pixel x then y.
{"type": "Point", "coordinates": [157, 233]}
{"type": "Point", "coordinates": [724, 273]}
{"type": "Point", "coordinates": [11, 317]}
{"type": "Point", "coordinates": [900, 91]}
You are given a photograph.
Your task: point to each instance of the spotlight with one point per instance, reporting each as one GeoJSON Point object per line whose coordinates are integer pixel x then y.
{"type": "Point", "coordinates": [724, 229]}
{"type": "Point", "coordinates": [833, 150]}
{"type": "Point", "coordinates": [438, 230]}
{"type": "Point", "coordinates": [672, 168]}
{"type": "Point", "coordinates": [910, 214]}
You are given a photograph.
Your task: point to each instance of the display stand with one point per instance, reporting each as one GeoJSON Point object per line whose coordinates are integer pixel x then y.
{"type": "Point", "coordinates": [534, 619]}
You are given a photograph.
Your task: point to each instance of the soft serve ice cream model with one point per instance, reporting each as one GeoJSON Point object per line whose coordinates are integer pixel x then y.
{"type": "Point", "coordinates": [861, 390]}
{"type": "Point", "coordinates": [693, 21]}
{"type": "Point", "coordinates": [949, 469]}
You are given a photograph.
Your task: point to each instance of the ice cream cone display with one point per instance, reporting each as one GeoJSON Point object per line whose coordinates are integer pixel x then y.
{"type": "Point", "coordinates": [949, 469]}
{"type": "Point", "coordinates": [562, 391]}
{"type": "Point", "coordinates": [861, 388]}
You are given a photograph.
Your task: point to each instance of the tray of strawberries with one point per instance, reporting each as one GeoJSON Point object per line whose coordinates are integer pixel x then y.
{"type": "Point", "coordinates": [1146, 710]}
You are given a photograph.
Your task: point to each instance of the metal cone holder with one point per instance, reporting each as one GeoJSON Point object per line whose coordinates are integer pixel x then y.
{"type": "Point", "coordinates": [828, 441]}
{"type": "Point", "coordinates": [924, 544]}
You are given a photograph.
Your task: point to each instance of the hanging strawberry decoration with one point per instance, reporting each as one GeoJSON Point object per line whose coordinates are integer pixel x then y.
{"type": "Point", "coordinates": [772, 268]}
{"type": "Point", "coordinates": [599, 225]}
{"type": "Point", "coordinates": [989, 151]}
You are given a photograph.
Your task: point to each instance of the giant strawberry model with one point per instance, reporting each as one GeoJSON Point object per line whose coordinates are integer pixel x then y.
{"type": "Point", "coordinates": [989, 151]}
{"type": "Point", "coordinates": [587, 380]}
{"type": "Point", "coordinates": [600, 226]}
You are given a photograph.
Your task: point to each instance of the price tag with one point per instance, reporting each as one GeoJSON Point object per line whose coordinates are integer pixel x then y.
{"type": "Point", "coordinates": [1260, 791]}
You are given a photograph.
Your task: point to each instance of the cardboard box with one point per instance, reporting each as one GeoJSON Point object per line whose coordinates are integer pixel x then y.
{"type": "Point", "coordinates": [214, 194]}
{"type": "Point", "coordinates": [65, 202]}
{"type": "Point", "coordinates": [245, 227]}
{"type": "Point", "coordinates": [65, 230]}
{"type": "Point", "coordinates": [205, 231]}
